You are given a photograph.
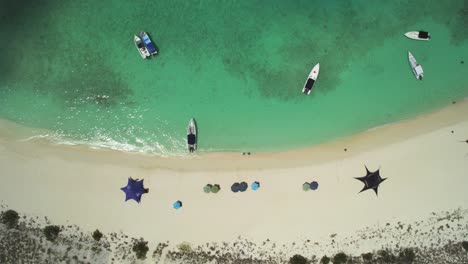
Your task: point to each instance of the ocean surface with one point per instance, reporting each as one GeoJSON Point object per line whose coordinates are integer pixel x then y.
{"type": "Point", "coordinates": [237, 67]}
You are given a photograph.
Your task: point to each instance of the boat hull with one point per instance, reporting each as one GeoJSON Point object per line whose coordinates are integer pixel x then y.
{"type": "Point", "coordinates": [415, 35]}
{"type": "Point", "coordinates": [141, 47]}
{"type": "Point", "coordinates": [311, 79]}
{"type": "Point", "coordinates": [415, 67]}
{"type": "Point", "coordinates": [192, 135]}
{"type": "Point", "coordinates": [148, 43]}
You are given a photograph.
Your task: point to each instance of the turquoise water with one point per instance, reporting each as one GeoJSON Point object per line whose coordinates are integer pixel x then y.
{"type": "Point", "coordinates": [238, 67]}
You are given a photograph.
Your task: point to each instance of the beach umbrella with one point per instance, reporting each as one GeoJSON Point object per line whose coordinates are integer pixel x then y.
{"type": "Point", "coordinates": [372, 180]}
{"type": "Point", "coordinates": [177, 205]}
{"type": "Point", "coordinates": [314, 185]}
{"type": "Point", "coordinates": [134, 190]}
{"type": "Point", "coordinates": [243, 186]}
{"type": "Point", "coordinates": [215, 188]}
{"type": "Point", "coordinates": [306, 186]}
{"type": "Point", "coordinates": [235, 187]}
{"type": "Point", "coordinates": [255, 185]}
{"type": "Point", "coordinates": [207, 188]}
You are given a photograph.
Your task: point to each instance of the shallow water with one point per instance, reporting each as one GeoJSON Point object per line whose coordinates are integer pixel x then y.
{"type": "Point", "coordinates": [238, 67]}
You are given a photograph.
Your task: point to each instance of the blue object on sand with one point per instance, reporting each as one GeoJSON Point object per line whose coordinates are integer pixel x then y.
{"type": "Point", "coordinates": [314, 185]}
{"type": "Point", "coordinates": [134, 190]}
{"type": "Point", "coordinates": [235, 187]}
{"type": "Point", "coordinates": [177, 205]}
{"type": "Point", "coordinates": [243, 186]}
{"type": "Point", "coordinates": [255, 185]}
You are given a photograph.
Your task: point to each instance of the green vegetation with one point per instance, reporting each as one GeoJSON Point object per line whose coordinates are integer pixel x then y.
{"type": "Point", "coordinates": [10, 218]}
{"type": "Point", "coordinates": [51, 232]}
{"type": "Point", "coordinates": [340, 258]}
{"type": "Point", "coordinates": [406, 255]}
{"type": "Point", "coordinates": [97, 235]}
{"type": "Point", "coordinates": [185, 247]}
{"type": "Point", "coordinates": [465, 245]}
{"type": "Point", "coordinates": [325, 260]}
{"type": "Point", "coordinates": [298, 259]}
{"type": "Point", "coordinates": [385, 256]}
{"type": "Point", "coordinates": [367, 257]}
{"type": "Point", "coordinates": [140, 248]}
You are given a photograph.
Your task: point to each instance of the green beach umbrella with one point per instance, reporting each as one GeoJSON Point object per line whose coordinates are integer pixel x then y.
{"type": "Point", "coordinates": [306, 186]}
{"type": "Point", "coordinates": [207, 188]}
{"type": "Point", "coordinates": [215, 188]}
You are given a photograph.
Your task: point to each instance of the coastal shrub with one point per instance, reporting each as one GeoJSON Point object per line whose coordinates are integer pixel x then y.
{"type": "Point", "coordinates": [51, 232]}
{"type": "Point", "coordinates": [406, 255]}
{"type": "Point", "coordinates": [298, 259]}
{"type": "Point", "coordinates": [465, 245]}
{"type": "Point", "coordinates": [10, 218]}
{"type": "Point", "coordinates": [367, 257]}
{"type": "Point", "coordinates": [97, 235]}
{"type": "Point", "coordinates": [325, 260]}
{"type": "Point", "coordinates": [184, 247]}
{"type": "Point", "coordinates": [140, 248]}
{"type": "Point", "coordinates": [340, 258]}
{"type": "Point", "coordinates": [386, 256]}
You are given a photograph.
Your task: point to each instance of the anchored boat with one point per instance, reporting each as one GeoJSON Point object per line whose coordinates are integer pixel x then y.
{"type": "Point", "coordinates": [141, 47]}
{"type": "Point", "coordinates": [418, 35]}
{"type": "Point", "coordinates": [148, 43]}
{"type": "Point", "coordinates": [311, 79]}
{"type": "Point", "coordinates": [415, 67]}
{"type": "Point", "coordinates": [192, 135]}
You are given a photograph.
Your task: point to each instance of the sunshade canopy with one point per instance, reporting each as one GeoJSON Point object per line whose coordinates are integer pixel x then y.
{"type": "Point", "coordinates": [372, 180]}
{"type": "Point", "coordinates": [134, 190]}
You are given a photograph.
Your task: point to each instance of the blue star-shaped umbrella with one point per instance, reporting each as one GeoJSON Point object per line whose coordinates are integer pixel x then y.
{"type": "Point", "coordinates": [371, 181]}
{"type": "Point", "coordinates": [134, 190]}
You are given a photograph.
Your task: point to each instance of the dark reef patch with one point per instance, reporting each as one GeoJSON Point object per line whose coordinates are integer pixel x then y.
{"type": "Point", "coordinates": [460, 29]}
{"type": "Point", "coordinates": [94, 84]}
{"type": "Point", "coordinates": [19, 19]}
{"type": "Point", "coordinates": [55, 59]}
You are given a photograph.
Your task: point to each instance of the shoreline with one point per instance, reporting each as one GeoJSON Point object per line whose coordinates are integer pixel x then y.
{"type": "Point", "coordinates": [421, 159]}
{"type": "Point", "coordinates": [356, 144]}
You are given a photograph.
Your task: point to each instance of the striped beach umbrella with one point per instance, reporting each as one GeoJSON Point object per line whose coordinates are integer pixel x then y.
{"type": "Point", "coordinates": [306, 186]}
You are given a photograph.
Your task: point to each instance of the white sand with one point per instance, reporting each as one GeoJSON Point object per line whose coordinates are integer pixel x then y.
{"type": "Point", "coordinates": [426, 167]}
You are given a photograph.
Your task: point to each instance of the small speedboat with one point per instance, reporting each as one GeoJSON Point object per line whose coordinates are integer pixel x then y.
{"type": "Point", "coordinates": [192, 135]}
{"type": "Point", "coordinates": [415, 67]}
{"type": "Point", "coordinates": [141, 47]}
{"type": "Point", "coordinates": [148, 43]}
{"type": "Point", "coordinates": [418, 35]}
{"type": "Point", "coordinates": [311, 79]}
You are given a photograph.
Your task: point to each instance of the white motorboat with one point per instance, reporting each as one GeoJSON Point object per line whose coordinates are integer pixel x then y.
{"type": "Point", "coordinates": [192, 135]}
{"type": "Point", "coordinates": [141, 47]}
{"type": "Point", "coordinates": [311, 79]}
{"type": "Point", "coordinates": [415, 67]}
{"type": "Point", "coordinates": [418, 35]}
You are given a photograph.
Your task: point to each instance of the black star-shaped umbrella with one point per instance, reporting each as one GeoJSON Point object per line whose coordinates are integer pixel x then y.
{"type": "Point", "coordinates": [371, 180]}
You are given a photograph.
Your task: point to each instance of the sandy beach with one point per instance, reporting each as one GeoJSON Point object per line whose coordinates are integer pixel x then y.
{"type": "Point", "coordinates": [423, 159]}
